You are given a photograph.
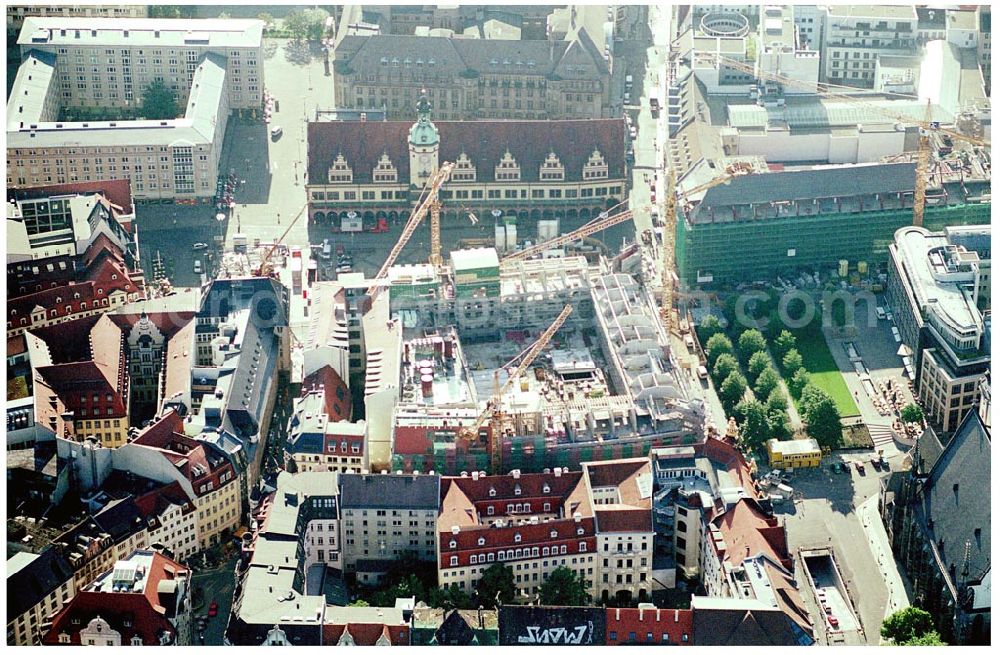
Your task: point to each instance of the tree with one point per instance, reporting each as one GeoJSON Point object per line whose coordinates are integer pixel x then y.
{"type": "Point", "coordinates": [159, 102]}
{"type": "Point", "coordinates": [768, 381]}
{"type": "Point", "coordinates": [709, 326]}
{"type": "Point", "coordinates": [759, 362]}
{"type": "Point", "coordinates": [172, 11]}
{"type": "Point", "coordinates": [906, 624]}
{"type": "Point", "coordinates": [267, 19]}
{"type": "Point", "coordinates": [792, 361]}
{"type": "Point", "coordinates": [732, 390]}
{"type": "Point", "coordinates": [450, 597]}
{"type": "Point", "coordinates": [931, 638]}
{"type": "Point", "coordinates": [496, 580]}
{"type": "Point", "coordinates": [315, 22]}
{"type": "Point", "coordinates": [750, 342]}
{"type": "Point", "coordinates": [777, 401]}
{"type": "Point", "coordinates": [912, 414]}
{"type": "Point", "coordinates": [297, 25]}
{"type": "Point", "coordinates": [821, 417]}
{"type": "Point", "coordinates": [361, 602]}
{"type": "Point", "coordinates": [778, 425]}
{"type": "Point", "coordinates": [724, 365]}
{"type": "Point", "coordinates": [564, 588]}
{"type": "Point", "coordinates": [783, 343]}
{"type": "Point", "coordinates": [798, 382]}
{"type": "Point", "coordinates": [754, 431]}
{"type": "Point", "coordinates": [716, 345]}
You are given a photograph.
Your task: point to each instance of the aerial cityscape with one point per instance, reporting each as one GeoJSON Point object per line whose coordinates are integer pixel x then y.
{"type": "Point", "coordinates": [493, 325]}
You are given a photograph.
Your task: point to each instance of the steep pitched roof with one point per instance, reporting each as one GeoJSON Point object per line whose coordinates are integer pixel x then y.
{"type": "Point", "coordinates": [36, 581]}
{"type": "Point", "coordinates": [749, 532]}
{"type": "Point", "coordinates": [744, 627]}
{"type": "Point", "coordinates": [954, 503]}
{"type": "Point", "coordinates": [483, 142]}
{"type": "Point", "coordinates": [388, 491]}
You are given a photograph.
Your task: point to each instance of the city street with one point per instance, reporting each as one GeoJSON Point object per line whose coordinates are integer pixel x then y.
{"type": "Point", "coordinates": [216, 585]}
{"type": "Point", "coordinates": [825, 514]}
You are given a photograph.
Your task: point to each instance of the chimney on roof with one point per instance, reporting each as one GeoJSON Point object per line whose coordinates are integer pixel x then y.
{"type": "Point", "coordinates": [516, 473]}
{"type": "Point", "coordinates": [454, 529]}
{"type": "Point", "coordinates": [475, 475]}
{"type": "Point", "coordinates": [577, 517]}
{"type": "Point", "coordinates": [558, 472]}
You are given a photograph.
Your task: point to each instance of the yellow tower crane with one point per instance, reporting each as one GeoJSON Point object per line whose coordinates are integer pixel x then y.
{"type": "Point", "coordinates": [927, 125]}
{"type": "Point", "coordinates": [428, 199]}
{"type": "Point", "coordinates": [494, 411]}
{"type": "Point", "coordinates": [602, 222]}
{"type": "Point", "coordinates": [670, 235]}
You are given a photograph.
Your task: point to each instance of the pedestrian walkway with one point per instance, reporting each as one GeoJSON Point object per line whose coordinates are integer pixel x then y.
{"type": "Point", "coordinates": [881, 434]}
{"type": "Point", "coordinates": [878, 541]}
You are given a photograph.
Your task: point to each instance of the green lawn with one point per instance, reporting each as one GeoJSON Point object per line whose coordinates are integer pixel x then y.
{"type": "Point", "coordinates": [823, 371]}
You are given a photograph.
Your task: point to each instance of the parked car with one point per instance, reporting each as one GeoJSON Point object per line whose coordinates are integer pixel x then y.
{"type": "Point", "coordinates": [197, 267]}
{"type": "Point", "coordinates": [875, 462]}
{"type": "Point", "coordinates": [276, 132]}
{"type": "Point", "coordinates": [833, 620]}
{"type": "Point", "coordinates": [199, 246]}
{"type": "Point", "coordinates": [213, 609]}
{"type": "Point", "coordinates": [860, 466]}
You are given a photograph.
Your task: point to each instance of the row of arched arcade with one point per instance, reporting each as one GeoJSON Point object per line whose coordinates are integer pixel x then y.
{"type": "Point", "coordinates": [452, 215]}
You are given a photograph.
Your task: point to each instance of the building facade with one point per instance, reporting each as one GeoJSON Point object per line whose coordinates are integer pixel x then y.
{"type": "Point", "coordinates": [384, 516]}
{"type": "Point", "coordinates": [937, 517]}
{"type": "Point", "coordinates": [934, 287]}
{"type": "Point", "coordinates": [467, 79]}
{"type": "Point", "coordinates": [855, 36]}
{"type": "Point", "coordinates": [531, 170]}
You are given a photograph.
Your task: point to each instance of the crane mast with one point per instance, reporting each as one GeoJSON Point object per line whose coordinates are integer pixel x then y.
{"type": "Point", "coordinates": [669, 235]}
{"type": "Point", "coordinates": [923, 168]}
{"type": "Point", "coordinates": [602, 222]}
{"type": "Point", "coordinates": [428, 199]}
{"type": "Point", "coordinates": [493, 411]}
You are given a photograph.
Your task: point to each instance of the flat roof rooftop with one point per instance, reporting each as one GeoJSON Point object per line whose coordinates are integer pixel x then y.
{"type": "Point", "coordinates": [794, 446]}
{"type": "Point", "coordinates": [899, 12]}
{"type": "Point", "coordinates": [475, 258]}
{"type": "Point", "coordinates": [168, 33]}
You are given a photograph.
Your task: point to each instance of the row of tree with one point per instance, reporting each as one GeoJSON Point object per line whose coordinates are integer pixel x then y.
{"type": "Point", "coordinates": [495, 586]}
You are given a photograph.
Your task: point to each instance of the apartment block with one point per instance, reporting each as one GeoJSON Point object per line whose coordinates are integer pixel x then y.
{"type": "Point", "coordinates": [44, 583]}
{"type": "Point", "coordinates": [935, 282]}
{"type": "Point", "coordinates": [855, 36]}
{"type": "Point", "coordinates": [384, 516]}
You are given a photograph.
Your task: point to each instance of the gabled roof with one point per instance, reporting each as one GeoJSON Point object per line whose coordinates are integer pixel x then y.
{"type": "Point", "coordinates": [36, 581]}
{"type": "Point", "coordinates": [118, 192]}
{"type": "Point", "coordinates": [715, 626]}
{"type": "Point", "coordinates": [483, 142]}
{"type": "Point", "coordinates": [953, 505]}
{"type": "Point", "coordinates": [749, 532]}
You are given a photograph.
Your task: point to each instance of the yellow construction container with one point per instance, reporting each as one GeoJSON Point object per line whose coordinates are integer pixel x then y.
{"type": "Point", "coordinates": [797, 453]}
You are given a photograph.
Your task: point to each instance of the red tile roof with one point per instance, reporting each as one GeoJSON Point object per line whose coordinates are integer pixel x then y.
{"type": "Point", "coordinates": [131, 614]}
{"type": "Point", "coordinates": [366, 634]}
{"type": "Point", "coordinates": [531, 535]}
{"type": "Point", "coordinates": [675, 623]}
{"type": "Point", "coordinates": [336, 395]}
{"type": "Point", "coordinates": [483, 142]}
{"type": "Point", "coordinates": [118, 192]}
{"type": "Point", "coordinates": [749, 532]}
{"type": "Point", "coordinates": [16, 345]}
{"type": "Point", "coordinates": [622, 519]}
{"type": "Point", "coordinates": [725, 453]}
{"type": "Point", "coordinates": [185, 453]}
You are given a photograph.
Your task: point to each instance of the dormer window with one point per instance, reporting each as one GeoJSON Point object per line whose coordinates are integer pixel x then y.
{"type": "Point", "coordinates": [493, 492]}
{"type": "Point", "coordinates": [579, 530]}
{"type": "Point", "coordinates": [385, 171]}
{"type": "Point", "coordinates": [482, 541]}
{"type": "Point", "coordinates": [340, 172]}
{"type": "Point", "coordinates": [452, 544]}
{"type": "Point", "coordinates": [517, 537]}
{"type": "Point", "coordinates": [552, 170]}
{"type": "Point", "coordinates": [517, 490]}
{"type": "Point", "coordinates": [596, 167]}
{"type": "Point", "coordinates": [553, 534]}
{"type": "Point", "coordinates": [464, 170]}
{"type": "Point", "coordinates": [507, 170]}
{"type": "Point", "coordinates": [546, 488]}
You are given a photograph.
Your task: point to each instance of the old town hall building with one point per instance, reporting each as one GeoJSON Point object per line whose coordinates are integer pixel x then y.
{"type": "Point", "coordinates": [531, 170]}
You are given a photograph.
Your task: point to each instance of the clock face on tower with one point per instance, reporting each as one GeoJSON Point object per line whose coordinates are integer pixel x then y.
{"type": "Point", "coordinates": [425, 159]}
